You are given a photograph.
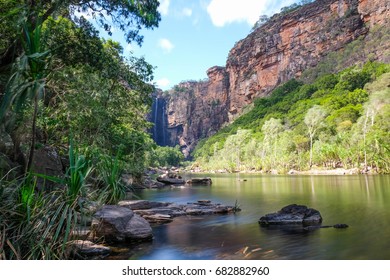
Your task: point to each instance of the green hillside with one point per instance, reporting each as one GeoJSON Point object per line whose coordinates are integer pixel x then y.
{"type": "Point", "coordinates": [339, 120]}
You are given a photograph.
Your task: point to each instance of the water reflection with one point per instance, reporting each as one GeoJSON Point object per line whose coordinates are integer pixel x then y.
{"type": "Point", "coordinates": [362, 202]}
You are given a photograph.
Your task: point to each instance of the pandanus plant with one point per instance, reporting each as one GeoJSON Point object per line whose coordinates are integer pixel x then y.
{"type": "Point", "coordinates": [28, 80]}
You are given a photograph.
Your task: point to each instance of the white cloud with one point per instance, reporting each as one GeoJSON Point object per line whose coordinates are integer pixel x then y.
{"type": "Point", "coordinates": [164, 7]}
{"type": "Point", "coordinates": [163, 83]}
{"type": "Point", "coordinates": [129, 48]}
{"type": "Point", "coordinates": [166, 45]}
{"type": "Point", "coordinates": [187, 12]}
{"type": "Point", "coordinates": [223, 12]}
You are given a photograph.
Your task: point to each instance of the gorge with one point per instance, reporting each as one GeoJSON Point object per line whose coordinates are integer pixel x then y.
{"type": "Point", "coordinates": [279, 50]}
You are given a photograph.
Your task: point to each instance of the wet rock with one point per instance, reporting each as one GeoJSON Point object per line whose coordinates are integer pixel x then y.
{"type": "Point", "coordinates": [199, 181]}
{"type": "Point", "coordinates": [120, 224]}
{"type": "Point", "coordinates": [141, 204]}
{"type": "Point", "coordinates": [158, 218]}
{"type": "Point", "coordinates": [292, 214]}
{"type": "Point", "coordinates": [89, 249]}
{"type": "Point", "coordinates": [164, 212]}
{"type": "Point", "coordinates": [170, 179]}
{"type": "Point", "coordinates": [340, 226]}
{"type": "Point", "coordinates": [138, 229]}
{"type": "Point", "coordinates": [204, 202]}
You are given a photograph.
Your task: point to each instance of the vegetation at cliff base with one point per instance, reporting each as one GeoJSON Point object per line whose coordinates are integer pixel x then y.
{"type": "Point", "coordinates": [339, 120]}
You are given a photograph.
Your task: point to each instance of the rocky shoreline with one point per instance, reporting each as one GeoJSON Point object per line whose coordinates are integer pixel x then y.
{"type": "Point", "coordinates": [130, 222]}
{"type": "Point", "coordinates": [336, 171]}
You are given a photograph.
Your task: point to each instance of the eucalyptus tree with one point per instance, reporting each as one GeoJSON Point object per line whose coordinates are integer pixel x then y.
{"type": "Point", "coordinates": [271, 130]}
{"type": "Point", "coordinates": [313, 120]}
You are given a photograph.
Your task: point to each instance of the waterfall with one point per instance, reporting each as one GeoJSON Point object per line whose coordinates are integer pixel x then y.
{"type": "Point", "coordinates": [163, 123]}
{"type": "Point", "coordinates": [159, 118]}
{"type": "Point", "coordinates": [155, 119]}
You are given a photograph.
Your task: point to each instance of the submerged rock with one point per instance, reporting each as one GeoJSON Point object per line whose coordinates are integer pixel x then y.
{"type": "Point", "coordinates": [292, 214]}
{"type": "Point", "coordinates": [340, 226]}
{"type": "Point", "coordinates": [120, 224]}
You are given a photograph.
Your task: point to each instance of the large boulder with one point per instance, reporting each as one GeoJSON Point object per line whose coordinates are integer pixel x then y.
{"type": "Point", "coordinates": [119, 224]}
{"type": "Point", "coordinates": [292, 214]}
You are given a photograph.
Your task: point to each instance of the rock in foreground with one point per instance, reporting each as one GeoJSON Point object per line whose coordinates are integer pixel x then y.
{"type": "Point", "coordinates": [293, 214]}
{"type": "Point", "coordinates": [120, 224]}
{"type": "Point", "coordinates": [87, 249]}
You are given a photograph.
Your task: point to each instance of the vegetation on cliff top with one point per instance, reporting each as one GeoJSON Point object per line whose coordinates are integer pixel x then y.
{"type": "Point", "coordinates": [339, 120]}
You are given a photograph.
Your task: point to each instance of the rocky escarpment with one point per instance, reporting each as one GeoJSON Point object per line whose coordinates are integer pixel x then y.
{"type": "Point", "coordinates": [279, 50]}
{"type": "Point", "coordinates": [196, 110]}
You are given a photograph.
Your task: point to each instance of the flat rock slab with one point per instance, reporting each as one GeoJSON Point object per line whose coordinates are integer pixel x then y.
{"type": "Point", "coordinates": [158, 218]}
{"type": "Point", "coordinates": [163, 212]}
{"type": "Point", "coordinates": [142, 204]}
{"type": "Point", "coordinates": [292, 214]}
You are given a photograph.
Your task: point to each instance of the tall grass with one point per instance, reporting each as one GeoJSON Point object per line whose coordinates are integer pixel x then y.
{"type": "Point", "coordinates": [77, 174]}
{"type": "Point", "coordinates": [110, 170]}
{"type": "Point", "coordinates": [35, 224]}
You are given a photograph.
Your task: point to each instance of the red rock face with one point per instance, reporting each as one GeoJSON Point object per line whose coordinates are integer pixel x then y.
{"type": "Point", "coordinates": [197, 109]}
{"type": "Point", "coordinates": [374, 11]}
{"type": "Point", "coordinates": [274, 53]}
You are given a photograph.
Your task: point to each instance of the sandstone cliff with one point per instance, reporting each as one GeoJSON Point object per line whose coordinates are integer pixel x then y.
{"type": "Point", "coordinates": [279, 50]}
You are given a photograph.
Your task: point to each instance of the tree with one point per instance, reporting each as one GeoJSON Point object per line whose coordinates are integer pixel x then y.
{"type": "Point", "coordinates": [129, 16]}
{"type": "Point", "coordinates": [379, 98]}
{"type": "Point", "coordinates": [313, 120]}
{"type": "Point", "coordinates": [110, 92]}
{"type": "Point", "coordinates": [28, 80]}
{"type": "Point", "coordinates": [262, 19]}
{"type": "Point", "coordinates": [232, 148]}
{"type": "Point", "coordinates": [271, 130]}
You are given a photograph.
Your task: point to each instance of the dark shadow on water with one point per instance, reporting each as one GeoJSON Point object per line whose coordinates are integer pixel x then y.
{"type": "Point", "coordinates": [287, 229]}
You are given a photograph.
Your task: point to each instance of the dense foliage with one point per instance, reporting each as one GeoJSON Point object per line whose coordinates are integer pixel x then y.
{"type": "Point", "coordinates": [165, 156]}
{"type": "Point", "coordinates": [60, 79]}
{"type": "Point", "coordinates": [65, 88]}
{"type": "Point", "coordinates": [339, 120]}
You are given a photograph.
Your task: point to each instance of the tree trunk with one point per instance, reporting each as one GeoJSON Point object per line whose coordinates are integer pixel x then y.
{"type": "Point", "coordinates": [33, 132]}
{"type": "Point", "coordinates": [311, 152]}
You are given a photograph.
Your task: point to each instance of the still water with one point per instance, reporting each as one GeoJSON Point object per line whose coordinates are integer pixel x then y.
{"type": "Point", "coordinates": [362, 202]}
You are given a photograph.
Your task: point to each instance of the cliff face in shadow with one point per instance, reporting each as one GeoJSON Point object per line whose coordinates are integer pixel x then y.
{"type": "Point", "coordinates": [277, 51]}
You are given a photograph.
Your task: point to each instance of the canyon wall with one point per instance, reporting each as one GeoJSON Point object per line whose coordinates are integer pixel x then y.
{"type": "Point", "coordinates": [277, 51]}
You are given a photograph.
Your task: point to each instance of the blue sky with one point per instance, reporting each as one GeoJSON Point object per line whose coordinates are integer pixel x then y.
{"type": "Point", "coordinates": [194, 35]}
